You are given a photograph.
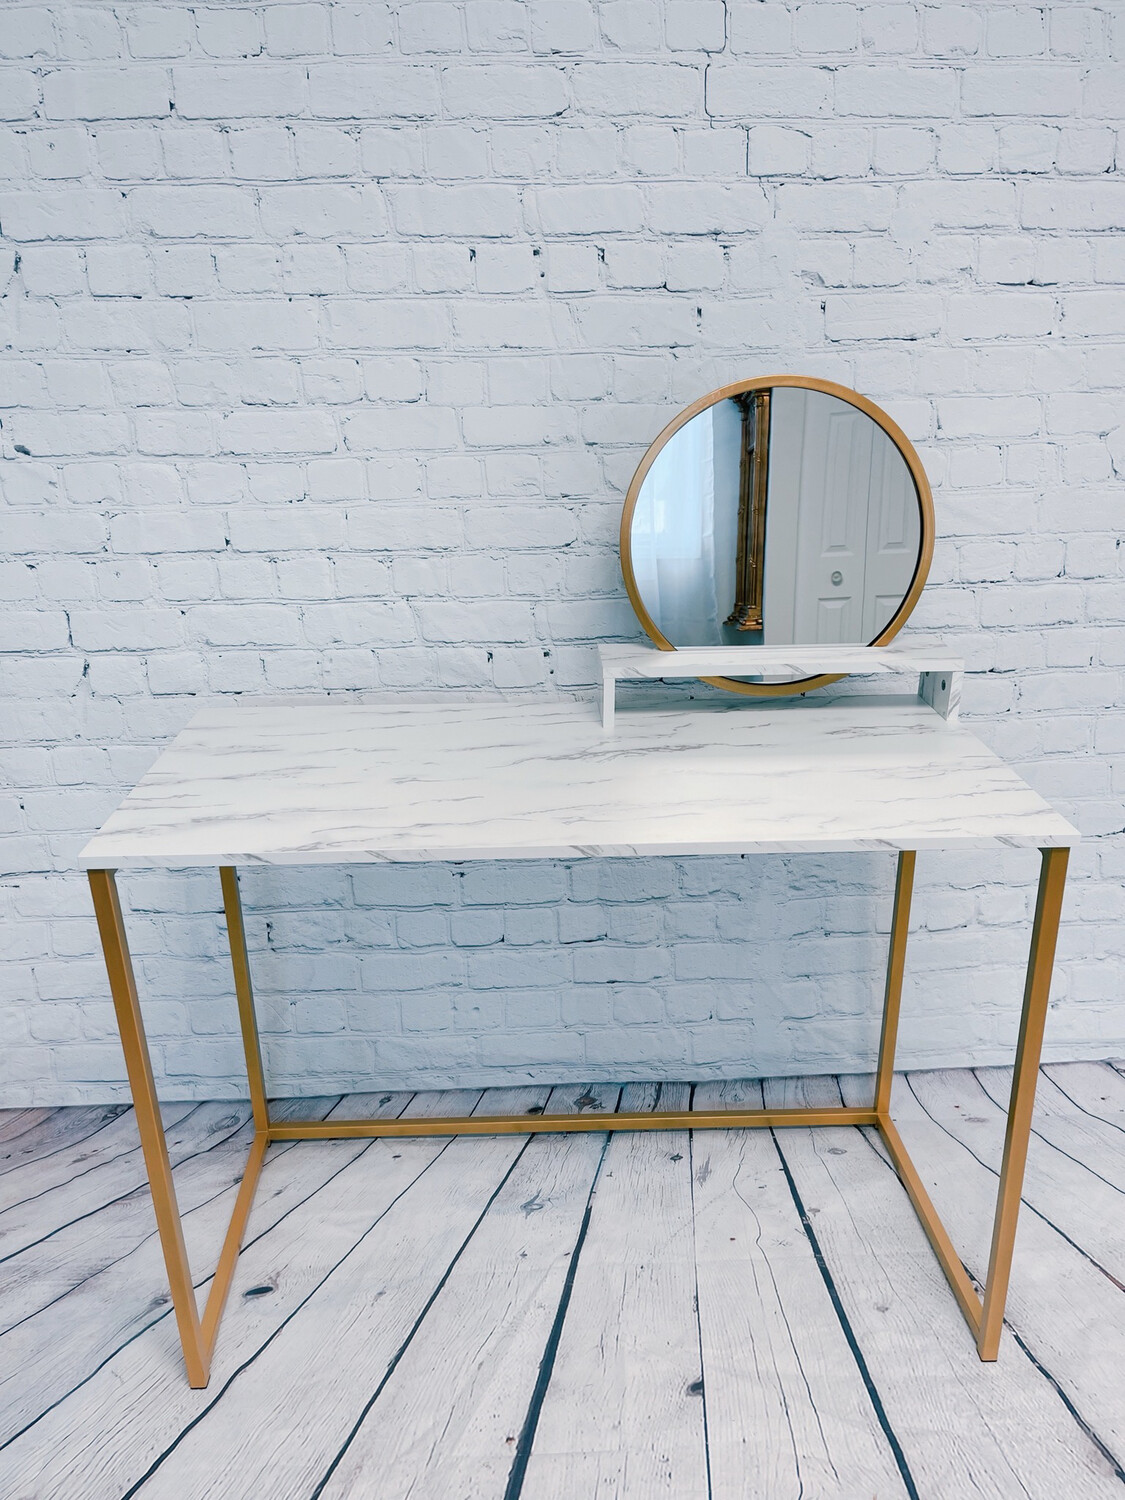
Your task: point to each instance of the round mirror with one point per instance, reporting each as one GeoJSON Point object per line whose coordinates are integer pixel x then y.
{"type": "Point", "coordinates": [777, 512]}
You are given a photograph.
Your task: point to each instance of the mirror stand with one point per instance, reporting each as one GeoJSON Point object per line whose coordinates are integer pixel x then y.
{"type": "Point", "coordinates": [939, 674]}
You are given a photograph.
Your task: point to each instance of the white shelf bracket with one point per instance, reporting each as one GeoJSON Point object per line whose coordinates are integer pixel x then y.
{"type": "Point", "coordinates": [939, 675]}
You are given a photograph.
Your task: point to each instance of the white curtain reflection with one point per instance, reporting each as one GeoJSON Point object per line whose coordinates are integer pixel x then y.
{"type": "Point", "coordinates": [673, 537]}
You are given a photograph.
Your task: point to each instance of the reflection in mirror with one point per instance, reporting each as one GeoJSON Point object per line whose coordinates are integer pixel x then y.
{"type": "Point", "coordinates": [781, 517]}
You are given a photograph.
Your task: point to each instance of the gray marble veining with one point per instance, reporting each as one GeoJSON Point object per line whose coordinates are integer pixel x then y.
{"type": "Point", "coordinates": [309, 781]}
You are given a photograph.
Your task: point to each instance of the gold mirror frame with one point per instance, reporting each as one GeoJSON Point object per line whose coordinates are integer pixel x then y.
{"type": "Point", "coordinates": [767, 383]}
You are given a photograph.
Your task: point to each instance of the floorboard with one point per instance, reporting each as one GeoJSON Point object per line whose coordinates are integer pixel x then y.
{"type": "Point", "coordinates": [312, 1380]}
{"type": "Point", "coordinates": [623, 1412]}
{"type": "Point", "coordinates": [189, 1130]}
{"type": "Point", "coordinates": [32, 1180]}
{"type": "Point", "coordinates": [782, 1393]}
{"type": "Point", "coordinates": [46, 1131]}
{"type": "Point", "coordinates": [451, 1417]}
{"type": "Point", "coordinates": [960, 1426]}
{"type": "Point", "coordinates": [1071, 1182]}
{"type": "Point", "coordinates": [711, 1315]}
{"type": "Point", "coordinates": [1069, 1315]}
{"type": "Point", "coordinates": [17, 1122]}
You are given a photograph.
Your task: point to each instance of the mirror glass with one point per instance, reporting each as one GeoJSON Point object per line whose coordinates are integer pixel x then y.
{"type": "Point", "coordinates": [776, 517]}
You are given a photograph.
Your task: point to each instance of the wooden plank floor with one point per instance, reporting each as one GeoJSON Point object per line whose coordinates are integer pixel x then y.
{"type": "Point", "coordinates": [717, 1315]}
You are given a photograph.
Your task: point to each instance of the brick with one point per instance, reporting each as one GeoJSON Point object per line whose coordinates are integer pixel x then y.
{"type": "Point", "coordinates": [326, 151]}
{"type": "Point", "coordinates": [404, 427]}
{"type": "Point", "coordinates": [127, 152]}
{"type": "Point", "coordinates": [760, 29]}
{"type": "Point", "coordinates": [503, 91]}
{"type": "Point", "coordinates": [368, 90]}
{"type": "Point", "coordinates": [430, 26]}
{"type": "Point", "coordinates": [88, 32]}
{"type": "Point", "coordinates": [1093, 313]}
{"type": "Point", "coordinates": [687, 208]}
{"type": "Point", "coordinates": [695, 25]}
{"type": "Point", "coordinates": [323, 211]}
{"type": "Point", "coordinates": [882, 316]}
{"type": "Point", "coordinates": [1021, 89]}
{"type": "Point", "coordinates": [361, 29]}
{"type": "Point", "coordinates": [296, 30]}
{"type": "Point", "coordinates": [225, 91]}
{"type": "Point", "coordinates": [902, 91]}
{"type": "Point", "coordinates": [1016, 33]}
{"type": "Point", "coordinates": [281, 323]}
{"type": "Point", "coordinates": [184, 212]}
{"type": "Point", "coordinates": [55, 154]}
{"type": "Point", "coordinates": [659, 89]}
{"type": "Point", "coordinates": [497, 26]}
{"type": "Point", "coordinates": [375, 623]}
{"type": "Point", "coordinates": [1073, 205]}
{"type": "Point", "coordinates": [136, 92]}
{"type": "Point", "coordinates": [594, 209]}
{"type": "Point", "coordinates": [376, 268]}
{"type": "Point", "coordinates": [651, 150]}
{"type": "Point", "coordinates": [193, 151]}
{"type": "Point", "coordinates": [156, 31]}
{"type": "Point", "coordinates": [842, 206]}
{"type": "Point", "coordinates": [28, 32]}
{"type": "Point", "coordinates": [891, 28]}
{"type": "Point", "coordinates": [986, 315]}
{"type": "Point", "coordinates": [776, 150]}
{"type": "Point", "coordinates": [737, 91]}
{"type": "Point", "coordinates": [952, 30]}
{"type": "Point", "coordinates": [832, 27]}
{"type": "Point", "coordinates": [277, 432]}
{"type": "Point", "coordinates": [441, 211]}
{"type": "Point", "coordinates": [62, 213]}
{"type": "Point", "coordinates": [1085, 150]}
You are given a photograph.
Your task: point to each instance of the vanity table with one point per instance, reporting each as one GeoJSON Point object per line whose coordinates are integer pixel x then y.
{"type": "Point", "coordinates": [303, 782]}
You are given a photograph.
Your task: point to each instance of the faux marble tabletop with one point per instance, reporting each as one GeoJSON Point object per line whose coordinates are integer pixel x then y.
{"type": "Point", "coordinates": [308, 781]}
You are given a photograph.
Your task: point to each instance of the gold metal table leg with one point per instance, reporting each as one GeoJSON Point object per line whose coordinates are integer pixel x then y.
{"type": "Point", "coordinates": [138, 1065]}
{"type": "Point", "coordinates": [1037, 992]}
{"type": "Point", "coordinates": [986, 1320]}
{"type": "Point", "coordinates": [197, 1335]}
{"type": "Point", "coordinates": [896, 965]}
{"type": "Point", "coordinates": [240, 962]}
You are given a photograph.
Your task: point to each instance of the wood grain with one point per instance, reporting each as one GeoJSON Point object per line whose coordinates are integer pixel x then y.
{"type": "Point", "coordinates": [48, 1130]}
{"type": "Point", "coordinates": [17, 1122]}
{"type": "Point", "coordinates": [961, 1429]}
{"type": "Point", "coordinates": [1069, 1314]}
{"type": "Point", "coordinates": [505, 1320]}
{"type": "Point", "coordinates": [112, 1303]}
{"type": "Point", "coordinates": [783, 1399]}
{"type": "Point", "coordinates": [623, 1415]}
{"type": "Point", "coordinates": [95, 1445]}
{"type": "Point", "coordinates": [191, 1129]}
{"type": "Point", "coordinates": [356, 1320]}
{"type": "Point", "coordinates": [67, 1163]}
{"type": "Point", "coordinates": [449, 1419]}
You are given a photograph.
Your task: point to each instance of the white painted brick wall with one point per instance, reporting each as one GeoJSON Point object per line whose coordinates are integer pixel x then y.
{"type": "Point", "coordinates": [332, 335]}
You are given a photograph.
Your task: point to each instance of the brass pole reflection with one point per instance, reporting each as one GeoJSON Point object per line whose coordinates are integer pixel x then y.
{"type": "Point", "coordinates": [753, 476]}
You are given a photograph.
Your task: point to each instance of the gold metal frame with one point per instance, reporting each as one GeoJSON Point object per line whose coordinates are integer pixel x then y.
{"type": "Point", "coordinates": [766, 383]}
{"type": "Point", "coordinates": [197, 1334]}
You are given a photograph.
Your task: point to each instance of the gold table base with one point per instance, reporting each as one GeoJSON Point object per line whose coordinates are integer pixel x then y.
{"type": "Point", "coordinates": [197, 1334]}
